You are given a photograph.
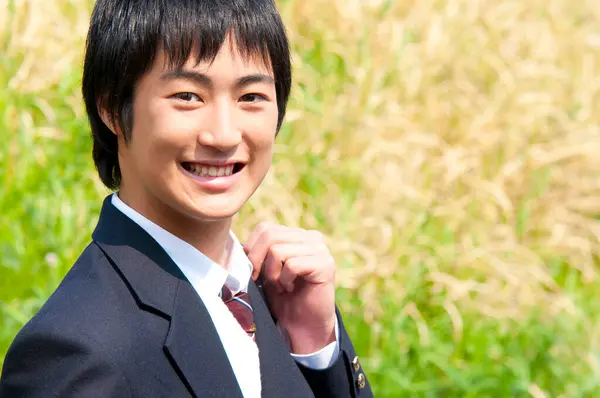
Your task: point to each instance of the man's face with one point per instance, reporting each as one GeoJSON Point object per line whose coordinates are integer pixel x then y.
{"type": "Point", "coordinates": [202, 137]}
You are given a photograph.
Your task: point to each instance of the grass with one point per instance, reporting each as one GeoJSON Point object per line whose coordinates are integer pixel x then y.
{"type": "Point", "coordinates": [449, 150]}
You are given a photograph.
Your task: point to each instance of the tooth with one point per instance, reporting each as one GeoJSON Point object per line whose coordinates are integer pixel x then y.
{"type": "Point", "coordinates": [228, 170]}
{"type": "Point", "coordinates": [212, 171]}
{"type": "Point", "coordinates": [203, 171]}
{"type": "Point", "coordinates": [221, 172]}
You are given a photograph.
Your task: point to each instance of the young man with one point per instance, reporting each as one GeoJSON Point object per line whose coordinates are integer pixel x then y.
{"type": "Point", "coordinates": [185, 98]}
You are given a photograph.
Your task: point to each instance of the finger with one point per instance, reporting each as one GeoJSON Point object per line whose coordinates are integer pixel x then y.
{"type": "Point", "coordinates": [257, 253]}
{"type": "Point", "coordinates": [256, 232]}
{"type": "Point", "coordinates": [279, 253]}
{"type": "Point", "coordinates": [251, 242]}
{"type": "Point", "coordinates": [260, 229]}
{"type": "Point", "coordinates": [256, 270]}
{"type": "Point", "coordinates": [309, 268]}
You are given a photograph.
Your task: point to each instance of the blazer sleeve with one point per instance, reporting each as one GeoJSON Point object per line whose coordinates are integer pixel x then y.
{"type": "Point", "coordinates": [345, 378]}
{"type": "Point", "coordinates": [44, 364]}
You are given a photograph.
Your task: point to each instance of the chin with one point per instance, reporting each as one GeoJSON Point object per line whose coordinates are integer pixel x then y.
{"type": "Point", "coordinates": [206, 212]}
{"type": "Point", "coordinates": [214, 216]}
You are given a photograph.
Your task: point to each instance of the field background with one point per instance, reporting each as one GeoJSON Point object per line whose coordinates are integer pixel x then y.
{"type": "Point", "coordinates": [450, 150]}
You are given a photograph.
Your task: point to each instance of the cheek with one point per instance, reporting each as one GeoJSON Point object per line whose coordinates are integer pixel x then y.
{"type": "Point", "coordinates": [160, 132]}
{"type": "Point", "coordinates": [261, 144]}
{"type": "Point", "coordinates": [262, 154]}
{"type": "Point", "coordinates": [261, 130]}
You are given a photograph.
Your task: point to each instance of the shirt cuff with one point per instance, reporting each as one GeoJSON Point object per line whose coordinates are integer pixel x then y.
{"type": "Point", "coordinates": [323, 358]}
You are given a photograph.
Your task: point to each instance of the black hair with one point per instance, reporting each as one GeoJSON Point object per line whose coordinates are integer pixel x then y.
{"type": "Point", "coordinates": [125, 36]}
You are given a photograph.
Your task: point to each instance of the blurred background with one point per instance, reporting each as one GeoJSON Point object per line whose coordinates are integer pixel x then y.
{"type": "Point", "coordinates": [449, 149]}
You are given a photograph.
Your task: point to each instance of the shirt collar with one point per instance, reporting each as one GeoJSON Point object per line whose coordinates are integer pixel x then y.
{"type": "Point", "coordinates": [206, 276]}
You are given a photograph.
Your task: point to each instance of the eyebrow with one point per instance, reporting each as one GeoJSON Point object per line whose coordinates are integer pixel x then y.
{"type": "Point", "coordinates": [205, 80]}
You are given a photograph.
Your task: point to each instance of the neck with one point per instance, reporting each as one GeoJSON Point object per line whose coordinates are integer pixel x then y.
{"type": "Point", "coordinates": [210, 237]}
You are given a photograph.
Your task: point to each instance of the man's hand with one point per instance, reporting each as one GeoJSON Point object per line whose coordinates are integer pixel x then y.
{"type": "Point", "coordinates": [298, 273]}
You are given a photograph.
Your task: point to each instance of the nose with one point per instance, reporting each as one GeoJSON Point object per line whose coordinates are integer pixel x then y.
{"type": "Point", "coordinates": [221, 132]}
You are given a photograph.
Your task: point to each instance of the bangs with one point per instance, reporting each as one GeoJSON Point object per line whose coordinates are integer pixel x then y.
{"type": "Point", "coordinates": [181, 35]}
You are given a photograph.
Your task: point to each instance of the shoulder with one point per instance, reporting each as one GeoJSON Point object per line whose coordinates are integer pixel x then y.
{"type": "Point", "coordinates": [77, 332]}
{"type": "Point", "coordinates": [44, 361]}
{"type": "Point", "coordinates": [87, 308]}
{"type": "Point", "coordinates": [88, 293]}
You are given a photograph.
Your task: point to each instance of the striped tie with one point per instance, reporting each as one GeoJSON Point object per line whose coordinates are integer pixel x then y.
{"type": "Point", "coordinates": [240, 307]}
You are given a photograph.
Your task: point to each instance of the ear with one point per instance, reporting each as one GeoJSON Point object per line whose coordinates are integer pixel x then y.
{"type": "Point", "coordinates": [108, 120]}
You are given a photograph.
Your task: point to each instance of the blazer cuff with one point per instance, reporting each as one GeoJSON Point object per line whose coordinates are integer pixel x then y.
{"type": "Point", "coordinates": [344, 378]}
{"type": "Point", "coordinates": [323, 358]}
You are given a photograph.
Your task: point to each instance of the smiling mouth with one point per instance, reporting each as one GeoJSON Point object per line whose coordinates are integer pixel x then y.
{"type": "Point", "coordinates": [205, 170]}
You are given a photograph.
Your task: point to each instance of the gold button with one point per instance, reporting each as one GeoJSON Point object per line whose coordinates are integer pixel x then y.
{"type": "Point", "coordinates": [361, 381]}
{"type": "Point", "coordinates": [355, 364]}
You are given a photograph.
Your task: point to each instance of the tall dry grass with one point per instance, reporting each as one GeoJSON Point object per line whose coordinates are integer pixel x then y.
{"type": "Point", "coordinates": [478, 117]}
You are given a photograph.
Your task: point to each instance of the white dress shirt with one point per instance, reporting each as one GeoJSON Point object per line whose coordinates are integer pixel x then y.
{"type": "Point", "coordinates": [207, 278]}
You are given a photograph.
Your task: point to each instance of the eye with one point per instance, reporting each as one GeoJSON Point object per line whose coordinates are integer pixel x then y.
{"type": "Point", "coordinates": [253, 98]}
{"type": "Point", "coordinates": [187, 97]}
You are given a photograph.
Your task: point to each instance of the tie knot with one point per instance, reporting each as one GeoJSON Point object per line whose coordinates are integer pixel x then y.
{"type": "Point", "coordinates": [240, 307]}
{"type": "Point", "coordinates": [226, 294]}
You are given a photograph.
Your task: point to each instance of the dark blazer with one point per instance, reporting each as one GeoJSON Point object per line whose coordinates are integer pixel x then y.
{"type": "Point", "coordinates": [125, 322]}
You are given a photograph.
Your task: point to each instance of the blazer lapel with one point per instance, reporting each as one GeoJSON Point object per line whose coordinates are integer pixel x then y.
{"type": "Point", "coordinates": [195, 348]}
{"type": "Point", "coordinates": [192, 342]}
{"type": "Point", "coordinates": [279, 373]}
